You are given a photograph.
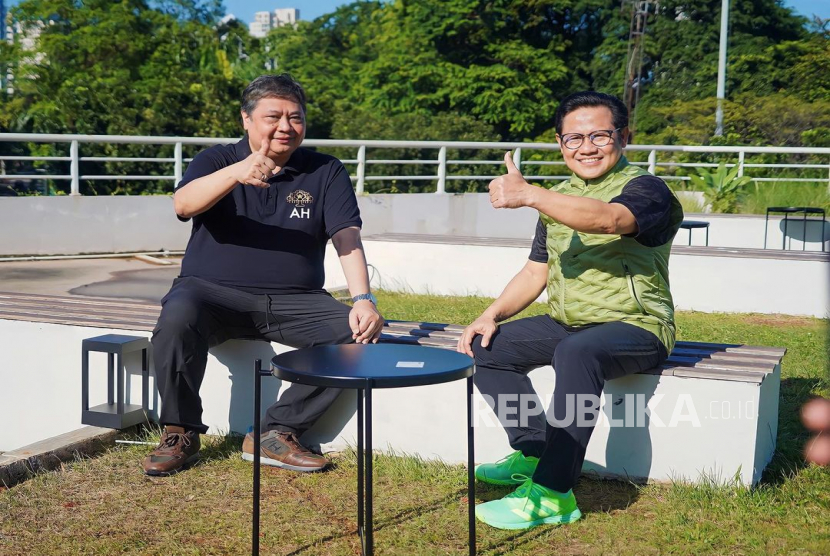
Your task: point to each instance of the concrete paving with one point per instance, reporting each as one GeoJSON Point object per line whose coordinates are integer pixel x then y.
{"type": "Point", "coordinates": [120, 278]}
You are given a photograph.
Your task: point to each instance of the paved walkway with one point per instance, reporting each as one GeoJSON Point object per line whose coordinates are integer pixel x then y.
{"type": "Point", "coordinates": [120, 278]}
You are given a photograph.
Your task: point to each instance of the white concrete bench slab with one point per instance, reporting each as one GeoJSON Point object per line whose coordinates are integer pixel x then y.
{"type": "Point", "coordinates": [712, 408]}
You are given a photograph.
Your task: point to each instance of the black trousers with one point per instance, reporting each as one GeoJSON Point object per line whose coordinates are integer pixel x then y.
{"type": "Point", "coordinates": [583, 358]}
{"type": "Point", "coordinates": [197, 315]}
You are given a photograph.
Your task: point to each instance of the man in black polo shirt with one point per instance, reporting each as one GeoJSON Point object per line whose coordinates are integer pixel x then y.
{"type": "Point", "coordinates": [263, 210]}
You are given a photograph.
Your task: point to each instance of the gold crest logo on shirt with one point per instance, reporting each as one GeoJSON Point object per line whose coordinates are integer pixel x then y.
{"type": "Point", "coordinates": [300, 198]}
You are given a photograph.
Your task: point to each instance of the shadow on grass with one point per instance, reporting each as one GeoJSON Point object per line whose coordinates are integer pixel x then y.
{"type": "Point", "coordinates": [400, 517]}
{"type": "Point", "coordinates": [222, 447]}
{"type": "Point", "coordinates": [509, 544]}
{"type": "Point", "coordinates": [788, 459]}
{"type": "Point", "coordinates": [592, 495]}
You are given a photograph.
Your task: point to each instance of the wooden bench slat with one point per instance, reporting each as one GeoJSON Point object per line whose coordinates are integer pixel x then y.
{"type": "Point", "coordinates": [79, 309]}
{"type": "Point", "coordinates": [725, 355]}
{"type": "Point", "coordinates": [424, 325]}
{"type": "Point", "coordinates": [740, 376]}
{"type": "Point", "coordinates": [681, 361]}
{"type": "Point", "coordinates": [734, 348]}
{"type": "Point", "coordinates": [93, 323]}
{"type": "Point", "coordinates": [61, 312]}
{"type": "Point", "coordinates": [82, 300]}
{"type": "Point", "coordinates": [771, 352]}
{"type": "Point", "coordinates": [688, 360]}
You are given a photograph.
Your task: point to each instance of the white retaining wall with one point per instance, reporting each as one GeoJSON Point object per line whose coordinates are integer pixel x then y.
{"type": "Point", "coordinates": [698, 282]}
{"type": "Point", "coordinates": [122, 224]}
{"type": "Point", "coordinates": [695, 428]}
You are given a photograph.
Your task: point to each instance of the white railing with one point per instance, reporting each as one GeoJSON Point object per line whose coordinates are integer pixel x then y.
{"type": "Point", "coordinates": [659, 158]}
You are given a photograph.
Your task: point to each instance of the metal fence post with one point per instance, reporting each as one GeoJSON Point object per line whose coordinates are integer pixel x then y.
{"type": "Point", "coordinates": [361, 169]}
{"type": "Point", "coordinates": [652, 162]}
{"type": "Point", "coordinates": [442, 170]}
{"type": "Point", "coordinates": [177, 165]}
{"type": "Point", "coordinates": [517, 157]}
{"type": "Point", "coordinates": [74, 168]}
{"type": "Point", "coordinates": [740, 163]}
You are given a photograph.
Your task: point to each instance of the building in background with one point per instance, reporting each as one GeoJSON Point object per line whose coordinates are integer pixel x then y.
{"type": "Point", "coordinates": [265, 21]}
{"type": "Point", "coordinates": [5, 74]}
{"type": "Point", "coordinates": [26, 37]}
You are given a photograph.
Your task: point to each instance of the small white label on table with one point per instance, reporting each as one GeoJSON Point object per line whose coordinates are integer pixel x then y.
{"type": "Point", "coordinates": [410, 364]}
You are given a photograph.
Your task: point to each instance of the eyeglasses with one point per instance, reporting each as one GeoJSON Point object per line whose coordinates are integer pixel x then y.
{"type": "Point", "coordinates": [599, 138]}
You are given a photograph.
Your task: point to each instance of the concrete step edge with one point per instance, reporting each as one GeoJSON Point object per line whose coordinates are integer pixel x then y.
{"type": "Point", "coordinates": [22, 463]}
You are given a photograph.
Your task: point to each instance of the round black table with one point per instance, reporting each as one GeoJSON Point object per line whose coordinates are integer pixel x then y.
{"type": "Point", "coordinates": [787, 211]}
{"type": "Point", "coordinates": [364, 368]}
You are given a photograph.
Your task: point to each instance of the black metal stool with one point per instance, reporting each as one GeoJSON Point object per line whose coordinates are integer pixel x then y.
{"type": "Point", "coordinates": [116, 413]}
{"type": "Point", "coordinates": [692, 224]}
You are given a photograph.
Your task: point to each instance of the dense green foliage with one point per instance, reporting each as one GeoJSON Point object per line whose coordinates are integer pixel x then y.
{"type": "Point", "coordinates": [416, 69]}
{"type": "Point", "coordinates": [721, 188]}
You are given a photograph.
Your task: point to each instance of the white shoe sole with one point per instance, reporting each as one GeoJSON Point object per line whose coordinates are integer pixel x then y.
{"type": "Point", "coordinates": [553, 520]}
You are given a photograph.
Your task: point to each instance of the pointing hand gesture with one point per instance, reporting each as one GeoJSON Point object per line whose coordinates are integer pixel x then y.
{"type": "Point", "coordinates": [509, 190]}
{"type": "Point", "coordinates": [257, 168]}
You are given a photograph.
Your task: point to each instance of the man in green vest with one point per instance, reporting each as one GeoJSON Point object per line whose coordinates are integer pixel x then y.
{"type": "Point", "coordinates": [601, 250]}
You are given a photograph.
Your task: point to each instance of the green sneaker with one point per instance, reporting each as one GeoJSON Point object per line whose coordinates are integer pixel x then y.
{"type": "Point", "coordinates": [528, 506]}
{"type": "Point", "coordinates": [502, 472]}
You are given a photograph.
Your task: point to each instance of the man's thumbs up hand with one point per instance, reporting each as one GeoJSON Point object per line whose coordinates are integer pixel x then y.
{"type": "Point", "coordinates": [257, 168]}
{"type": "Point", "coordinates": [510, 190]}
{"type": "Point", "coordinates": [263, 146]}
{"type": "Point", "coordinates": [511, 166]}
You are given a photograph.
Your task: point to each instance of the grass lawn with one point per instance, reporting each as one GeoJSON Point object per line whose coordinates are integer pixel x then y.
{"type": "Point", "coordinates": [105, 505]}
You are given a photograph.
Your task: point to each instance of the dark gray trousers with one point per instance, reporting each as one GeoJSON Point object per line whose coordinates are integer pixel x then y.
{"type": "Point", "coordinates": [583, 358]}
{"type": "Point", "coordinates": [197, 315]}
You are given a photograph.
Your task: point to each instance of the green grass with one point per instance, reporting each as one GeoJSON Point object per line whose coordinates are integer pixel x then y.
{"type": "Point", "coordinates": [760, 195]}
{"type": "Point", "coordinates": [757, 196]}
{"type": "Point", "coordinates": [691, 205]}
{"type": "Point", "coordinates": [105, 505]}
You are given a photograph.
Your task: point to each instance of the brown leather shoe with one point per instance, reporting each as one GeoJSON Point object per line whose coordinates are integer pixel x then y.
{"type": "Point", "coordinates": [177, 450]}
{"type": "Point", "coordinates": [282, 449]}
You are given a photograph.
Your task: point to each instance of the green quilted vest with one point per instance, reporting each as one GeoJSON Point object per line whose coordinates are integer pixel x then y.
{"type": "Point", "coordinates": [596, 278]}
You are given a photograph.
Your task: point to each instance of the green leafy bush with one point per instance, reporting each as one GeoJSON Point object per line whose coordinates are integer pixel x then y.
{"type": "Point", "coordinates": [721, 188]}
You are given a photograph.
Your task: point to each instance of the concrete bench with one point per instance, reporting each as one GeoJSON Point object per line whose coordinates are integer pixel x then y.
{"type": "Point", "coordinates": [712, 408]}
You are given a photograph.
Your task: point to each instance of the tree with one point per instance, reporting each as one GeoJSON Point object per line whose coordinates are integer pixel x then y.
{"type": "Point", "coordinates": [680, 61]}
{"type": "Point", "coordinates": [497, 61]}
{"type": "Point", "coordinates": [325, 56]}
{"type": "Point", "coordinates": [121, 68]}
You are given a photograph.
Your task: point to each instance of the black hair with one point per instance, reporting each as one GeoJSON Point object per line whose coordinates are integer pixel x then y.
{"type": "Point", "coordinates": [272, 86]}
{"type": "Point", "coordinates": [619, 113]}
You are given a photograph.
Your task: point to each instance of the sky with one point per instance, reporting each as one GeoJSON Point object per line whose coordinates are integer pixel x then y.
{"type": "Point", "coordinates": [244, 10]}
{"type": "Point", "coordinates": [311, 9]}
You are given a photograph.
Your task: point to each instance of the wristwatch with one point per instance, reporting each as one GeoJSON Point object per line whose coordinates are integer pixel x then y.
{"type": "Point", "coordinates": [362, 296]}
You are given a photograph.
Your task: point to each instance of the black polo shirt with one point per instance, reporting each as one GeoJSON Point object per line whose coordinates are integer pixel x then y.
{"type": "Point", "coordinates": [270, 240]}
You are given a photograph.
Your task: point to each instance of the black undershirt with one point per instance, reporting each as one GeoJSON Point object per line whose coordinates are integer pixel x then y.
{"type": "Point", "coordinates": [649, 200]}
